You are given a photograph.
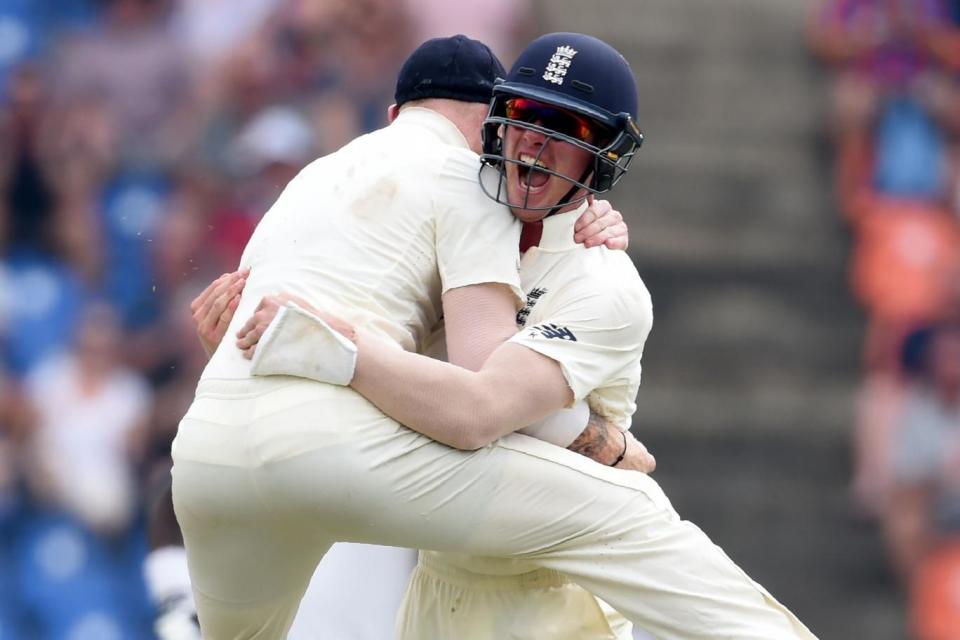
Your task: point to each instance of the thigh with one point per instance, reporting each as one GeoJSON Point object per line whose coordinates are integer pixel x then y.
{"type": "Point", "coordinates": [249, 565]}
{"type": "Point", "coordinates": [354, 594]}
{"type": "Point", "coordinates": [366, 479]}
{"type": "Point", "coordinates": [533, 606]}
{"type": "Point", "coordinates": [614, 532]}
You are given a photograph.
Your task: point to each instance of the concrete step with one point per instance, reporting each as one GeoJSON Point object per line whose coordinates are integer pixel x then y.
{"type": "Point", "coordinates": [776, 504]}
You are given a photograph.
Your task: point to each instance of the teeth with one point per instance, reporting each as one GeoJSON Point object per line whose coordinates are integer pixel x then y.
{"type": "Point", "coordinates": [529, 160]}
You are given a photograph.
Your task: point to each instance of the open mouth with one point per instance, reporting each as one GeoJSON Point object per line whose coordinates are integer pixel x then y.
{"type": "Point", "coordinates": [529, 172]}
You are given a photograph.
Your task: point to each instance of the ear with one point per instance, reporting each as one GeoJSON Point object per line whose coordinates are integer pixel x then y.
{"type": "Point", "coordinates": [392, 112]}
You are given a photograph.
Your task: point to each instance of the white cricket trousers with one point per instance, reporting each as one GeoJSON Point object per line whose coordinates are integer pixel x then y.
{"type": "Point", "coordinates": [269, 473]}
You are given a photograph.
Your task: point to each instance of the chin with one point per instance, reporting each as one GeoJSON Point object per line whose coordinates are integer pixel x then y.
{"type": "Point", "coordinates": [528, 215]}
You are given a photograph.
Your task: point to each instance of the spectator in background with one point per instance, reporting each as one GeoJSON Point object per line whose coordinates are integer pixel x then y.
{"type": "Point", "coordinates": [897, 197]}
{"type": "Point", "coordinates": [209, 30]}
{"type": "Point", "coordinates": [91, 411]}
{"type": "Point", "coordinates": [135, 64]}
{"type": "Point", "coordinates": [875, 49]}
{"type": "Point", "coordinates": [502, 24]}
{"type": "Point", "coordinates": [942, 40]}
{"type": "Point", "coordinates": [923, 527]}
{"type": "Point", "coordinates": [268, 153]}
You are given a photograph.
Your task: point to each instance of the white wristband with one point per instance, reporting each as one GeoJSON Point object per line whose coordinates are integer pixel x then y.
{"type": "Point", "coordinates": [298, 343]}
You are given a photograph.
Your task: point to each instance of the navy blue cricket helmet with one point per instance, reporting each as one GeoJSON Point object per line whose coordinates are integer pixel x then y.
{"type": "Point", "coordinates": [579, 76]}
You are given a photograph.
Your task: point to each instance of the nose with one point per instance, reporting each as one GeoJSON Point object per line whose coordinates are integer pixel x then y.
{"type": "Point", "coordinates": [533, 137]}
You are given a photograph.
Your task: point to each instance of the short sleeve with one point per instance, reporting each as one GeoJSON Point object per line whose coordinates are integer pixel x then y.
{"type": "Point", "coordinates": [477, 239]}
{"type": "Point", "coordinates": [596, 337]}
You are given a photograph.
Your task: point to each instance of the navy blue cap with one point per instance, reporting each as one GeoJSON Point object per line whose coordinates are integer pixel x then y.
{"type": "Point", "coordinates": [454, 68]}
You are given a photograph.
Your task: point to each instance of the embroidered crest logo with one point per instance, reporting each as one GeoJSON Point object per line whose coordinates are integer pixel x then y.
{"type": "Point", "coordinates": [559, 64]}
{"type": "Point", "coordinates": [532, 298]}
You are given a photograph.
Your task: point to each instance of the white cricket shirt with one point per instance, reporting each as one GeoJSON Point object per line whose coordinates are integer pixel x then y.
{"type": "Point", "coordinates": [588, 310]}
{"type": "Point", "coordinates": [377, 231]}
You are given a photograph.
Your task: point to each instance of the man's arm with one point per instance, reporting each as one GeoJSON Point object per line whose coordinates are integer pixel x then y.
{"type": "Point", "coordinates": [469, 410]}
{"type": "Point", "coordinates": [607, 444]}
{"type": "Point", "coordinates": [455, 406]}
{"type": "Point", "coordinates": [214, 308]}
{"type": "Point", "coordinates": [478, 319]}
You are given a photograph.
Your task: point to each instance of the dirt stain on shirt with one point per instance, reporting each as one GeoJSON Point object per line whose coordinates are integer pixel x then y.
{"type": "Point", "coordinates": [378, 198]}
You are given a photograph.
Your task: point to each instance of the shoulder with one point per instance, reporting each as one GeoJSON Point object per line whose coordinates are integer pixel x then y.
{"type": "Point", "coordinates": [611, 278]}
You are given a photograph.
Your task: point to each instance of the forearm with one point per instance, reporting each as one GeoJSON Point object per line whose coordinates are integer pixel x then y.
{"type": "Point", "coordinates": [605, 443]}
{"type": "Point", "coordinates": [600, 441]}
{"type": "Point", "coordinates": [452, 405]}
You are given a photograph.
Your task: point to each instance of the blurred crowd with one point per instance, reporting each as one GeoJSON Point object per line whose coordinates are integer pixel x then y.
{"type": "Point", "coordinates": [140, 142]}
{"type": "Point", "coordinates": [896, 132]}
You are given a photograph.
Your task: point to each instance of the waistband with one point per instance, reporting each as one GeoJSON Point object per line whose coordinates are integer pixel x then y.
{"type": "Point", "coordinates": [537, 579]}
{"type": "Point", "coordinates": [253, 386]}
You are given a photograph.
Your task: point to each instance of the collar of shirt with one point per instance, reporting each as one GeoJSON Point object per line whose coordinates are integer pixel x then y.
{"type": "Point", "coordinates": [557, 233]}
{"type": "Point", "coordinates": [438, 125]}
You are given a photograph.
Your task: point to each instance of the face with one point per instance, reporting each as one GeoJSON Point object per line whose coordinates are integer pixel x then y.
{"type": "Point", "coordinates": [545, 190]}
{"type": "Point", "coordinates": [531, 191]}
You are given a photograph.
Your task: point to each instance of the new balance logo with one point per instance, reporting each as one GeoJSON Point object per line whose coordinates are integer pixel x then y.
{"type": "Point", "coordinates": [552, 331]}
{"type": "Point", "coordinates": [559, 65]}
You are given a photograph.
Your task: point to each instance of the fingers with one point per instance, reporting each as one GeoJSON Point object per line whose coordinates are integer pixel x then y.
{"type": "Point", "coordinates": [206, 293]}
{"type": "Point", "coordinates": [245, 330]}
{"type": "Point", "coordinates": [253, 329]}
{"type": "Point", "coordinates": [647, 462]}
{"type": "Point", "coordinates": [220, 287]}
{"type": "Point", "coordinates": [619, 238]}
{"type": "Point", "coordinates": [214, 308]}
{"type": "Point", "coordinates": [596, 210]}
{"type": "Point", "coordinates": [600, 230]}
{"type": "Point", "coordinates": [637, 457]}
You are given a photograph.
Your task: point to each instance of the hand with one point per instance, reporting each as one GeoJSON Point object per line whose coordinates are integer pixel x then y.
{"type": "Point", "coordinates": [251, 332]}
{"type": "Point", "coordinates": [637, 458]}
{"type": "Point", "coordinates": [213, 309]}
{"type": "Point", "coordinates": [601, 224]}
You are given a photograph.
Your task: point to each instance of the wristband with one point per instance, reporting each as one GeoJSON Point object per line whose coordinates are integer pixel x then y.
{"type": "Point", "coordinates": [620, 459]}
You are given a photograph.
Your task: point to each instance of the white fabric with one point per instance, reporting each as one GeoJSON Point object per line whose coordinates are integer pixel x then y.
{"type": "Point", "coordinates": [561, 428]}
{"type": "Point", "coordinates": [447, 602]}
{"type": "Point", "coordinates": [256, 519]}
{"type": "Point", "coordinates": [354, 594]}
{"type": "Point", "coordinates": [377, 231]}
{"type": "Point", "coordinates": [589, 310]}
{"type": "Point", "coordinates": [298, 343]}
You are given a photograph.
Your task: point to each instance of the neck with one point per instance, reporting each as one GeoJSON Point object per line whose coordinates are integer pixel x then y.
{"type": "Point", "coordinates": [466, 116]}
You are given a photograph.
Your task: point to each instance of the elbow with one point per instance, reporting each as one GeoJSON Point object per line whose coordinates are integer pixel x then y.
{"type": "Point", "coordinates": [472, 435]}
{"type": "Point", "coordinates": [480, 423]}
{"type": "Point", "coordinates": [470, 442]}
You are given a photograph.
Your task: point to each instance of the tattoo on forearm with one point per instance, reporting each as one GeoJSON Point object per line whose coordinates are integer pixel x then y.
{"type": "Point", "coordinates": [597, 441]}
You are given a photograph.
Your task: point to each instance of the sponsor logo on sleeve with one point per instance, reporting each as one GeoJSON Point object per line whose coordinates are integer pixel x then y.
{"type": "Point", "coordinates": [551, 331]}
